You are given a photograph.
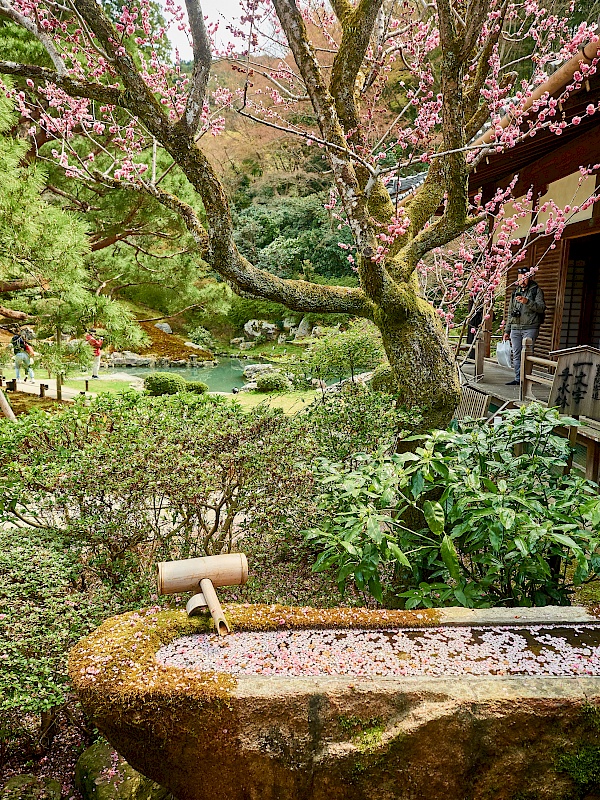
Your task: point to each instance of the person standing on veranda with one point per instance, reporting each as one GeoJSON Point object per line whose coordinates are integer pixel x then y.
{"type": "Point", "coordinates": [95, 343]}
{"type": "Point", "coordinates": [526, 312]}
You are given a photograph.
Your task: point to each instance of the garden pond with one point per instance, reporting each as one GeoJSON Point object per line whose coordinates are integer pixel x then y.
{"type": "Point", "coordinates": [224, 377]}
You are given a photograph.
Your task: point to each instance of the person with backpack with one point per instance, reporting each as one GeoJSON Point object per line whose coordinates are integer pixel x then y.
{"type": "Point", "coordinates": [526, 313]}
{"type": "Point", "coordinates": [23, 356]}
{"type": "Point", "coordinates": [95, 342]}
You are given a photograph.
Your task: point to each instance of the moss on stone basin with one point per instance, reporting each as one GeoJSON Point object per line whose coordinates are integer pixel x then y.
{"type": "Point", "coordinates": [209, 735]}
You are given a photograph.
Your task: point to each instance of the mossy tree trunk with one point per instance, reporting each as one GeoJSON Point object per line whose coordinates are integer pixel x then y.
{"type": "Point", "coordinates": [388, 293]}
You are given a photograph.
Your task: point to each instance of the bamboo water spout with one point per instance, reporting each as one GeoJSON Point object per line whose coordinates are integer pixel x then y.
{"type": "Point", "coordinates": [205, 573]}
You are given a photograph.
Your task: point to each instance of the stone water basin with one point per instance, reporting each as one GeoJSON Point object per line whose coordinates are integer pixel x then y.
{"type": "Point", "coordinates": [309, 704]}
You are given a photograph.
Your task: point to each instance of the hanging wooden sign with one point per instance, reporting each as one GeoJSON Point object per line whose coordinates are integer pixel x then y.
{"type": "Point", "coordinates": [576, 386]}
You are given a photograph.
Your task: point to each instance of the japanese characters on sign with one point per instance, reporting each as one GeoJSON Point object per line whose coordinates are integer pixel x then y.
{"type": "Point", "coordinates": [576, 386]}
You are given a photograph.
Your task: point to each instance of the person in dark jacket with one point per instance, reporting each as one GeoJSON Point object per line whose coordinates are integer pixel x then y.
{"type": "Point", "coordinates": [525, 315]}
{"type": "Point", "coordinates": [23, 356]}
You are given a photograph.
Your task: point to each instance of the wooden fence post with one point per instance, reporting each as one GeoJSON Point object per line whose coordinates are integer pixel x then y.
{"type": "Point", "coordinates": [479, 356]}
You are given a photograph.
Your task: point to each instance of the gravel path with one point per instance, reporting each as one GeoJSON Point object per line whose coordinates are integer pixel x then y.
{"type": "Point", "coordinates": [534, 650]}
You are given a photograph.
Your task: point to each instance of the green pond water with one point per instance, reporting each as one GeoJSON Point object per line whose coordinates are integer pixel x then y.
{"type": "Point", "coordinates": [223, 378]}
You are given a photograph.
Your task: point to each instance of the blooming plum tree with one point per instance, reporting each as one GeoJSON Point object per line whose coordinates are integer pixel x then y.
{"type": "Point", "coordinates": [329, 84]}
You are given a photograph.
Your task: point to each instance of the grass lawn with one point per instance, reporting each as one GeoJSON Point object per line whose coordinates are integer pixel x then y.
{"type": "Point", "coordinates": [289, 402]}
{"type": "Point", "coordinates": [101, 385]}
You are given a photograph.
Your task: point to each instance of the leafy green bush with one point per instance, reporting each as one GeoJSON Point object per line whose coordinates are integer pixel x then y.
{"type": "Point", "coordinates": [272, 382]}
{"type": "Point", "coordinates": [201, 336]}
{"type": "Point", "coordinates": [342, 354]}
{"type": "Point", "coordinates": [158, 383]}
{"type": "Point", "coordinates": [357, 421]}
{"type": "Point", "coordinates": [46, 608]}
{"type": "Point", "coordinates": [196, 387]}
{"type": "Point", "coordinates": [499, 521]}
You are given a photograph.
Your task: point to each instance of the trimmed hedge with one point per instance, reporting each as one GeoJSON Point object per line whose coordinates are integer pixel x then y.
{"type": "Point", "coordinates": [158, 383]}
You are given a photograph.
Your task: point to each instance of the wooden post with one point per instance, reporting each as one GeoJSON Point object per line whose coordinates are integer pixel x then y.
{"type": "Point", "coordinates": [487, 334]}
{"type": "Point", "coordinates": [5, 407]}
{"type": "Point", "coordinates": [43, 387]}
{"type": "Point", "coordinates": [479, 356]}
{"type": "Point", "coordinates": [592, 460]}
{"type": "Point", "coordinates": [572, 442]}
{"type": "Point", "coordinates": [58, 386]}
{"type": "Point", "coordinates": [87, 385]}
{"type": "Point", "coordinates": [525, 391]}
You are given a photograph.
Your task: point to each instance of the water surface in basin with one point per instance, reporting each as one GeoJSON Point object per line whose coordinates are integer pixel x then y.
{"type": "Point", "coordinates": [500, 650]}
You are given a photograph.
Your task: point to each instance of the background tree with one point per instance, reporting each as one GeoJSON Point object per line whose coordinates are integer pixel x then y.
{"type": "Point", "coordinates": [330, 94]}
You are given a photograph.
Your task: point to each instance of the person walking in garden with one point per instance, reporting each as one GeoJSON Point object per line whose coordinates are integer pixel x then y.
{"type": "Point", "coordinates": [526, 312]}
{"type": "Point", "coordinates": [95, 343]}
{"type": "Point", "coordinates": [23, 352]}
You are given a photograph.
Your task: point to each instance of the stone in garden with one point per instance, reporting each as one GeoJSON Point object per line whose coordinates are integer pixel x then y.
{"type": "Point", "coordinates": [318, 331]}
{"type": "Point", "coordinates": [129, 359]}
{"type": "Point", "coordinates": [252, 370]}
{"type": "Point", "coordinates": [304, 329]}
{"type": "Point", "coordinates": [102, 774]}
{"type": "Point", "coordinates": [249, 387]}
{"type": "Point", "coordinates": [362, 378]}
{"type": "Point", "coordinates": [246, 345]}
{"type": "Point", "coordinates": [260, 327]}
{"type": "Point", "coordinates": [164, 327]}
{"type": "Point", "coordinates": [31, 787]}
{"type": "Point", "coordinates": [236, 341]}
{"type": "Point", "coordinates": [288, 324]}
{"type": "Point", "coordinates": [328, 736]}
{"type": "Point", "coordinates": [282, 338]}
{"type": "Point", "coordinates": [195, 346]}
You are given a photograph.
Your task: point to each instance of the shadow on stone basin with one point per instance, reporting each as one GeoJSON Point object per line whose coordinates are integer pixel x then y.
{"type": "Point", "coordinates": [209, 735]}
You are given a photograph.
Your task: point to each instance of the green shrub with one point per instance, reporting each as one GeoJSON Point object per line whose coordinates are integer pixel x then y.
{"type": "Point", "coordinates": [196, 387]}
{"type": "Point", "coordinates": [498, 523]}
{"type": "Point", "coordinates": [46, 608]}
{"type": "Point", "coordinates": [158, 383]}
{"type": "Point", "coordinates": [342, 354]}
{"type": "Point", "coordinates": [272, 382]}
{"type": "Point", "coordinates": [201, 336]}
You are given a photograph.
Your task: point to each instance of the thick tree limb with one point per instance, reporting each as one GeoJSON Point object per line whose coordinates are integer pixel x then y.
{"type": "Point", "coordinates": [137, 94]}
{"type": "Point", "coordinates": [201, 71]}
{"type": "Point", "coordinates": [17, 285]}
{"type": "Point", "coordinates": [10, 313]}
{"type": "Point", "coordinates": [357, 29]}
{"type": "Point", "coordinates": [95, 91]}
{"type": "Point", "coordinates": [5, 407]}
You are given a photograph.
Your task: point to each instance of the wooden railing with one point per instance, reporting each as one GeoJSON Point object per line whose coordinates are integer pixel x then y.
{"type": "Point", "coordinates": [481, 351]}
{"type": "Point", "coordinates": [528, 378]}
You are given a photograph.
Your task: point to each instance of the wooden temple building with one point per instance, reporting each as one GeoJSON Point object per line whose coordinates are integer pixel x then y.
{"type": "Point", "coordinates": [568, 270]}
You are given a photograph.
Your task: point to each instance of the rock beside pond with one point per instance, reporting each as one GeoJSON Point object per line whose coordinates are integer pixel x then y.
{"type": "Point", "coordinates": [129, 359]}
{"type": "Point", "coordinates": [164, 327]}
{"type": "Point", "coordinates": [328, 737]}
{"type": "Point", "coordinates": [102, 774]}
{"type": "Point", "coordinates": [252, 371]}
{"type": "Point", "coordinates": [31, 787]}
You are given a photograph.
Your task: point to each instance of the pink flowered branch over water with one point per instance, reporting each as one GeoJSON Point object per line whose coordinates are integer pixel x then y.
{"type": "Point", "coordinates": [110, 87]}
